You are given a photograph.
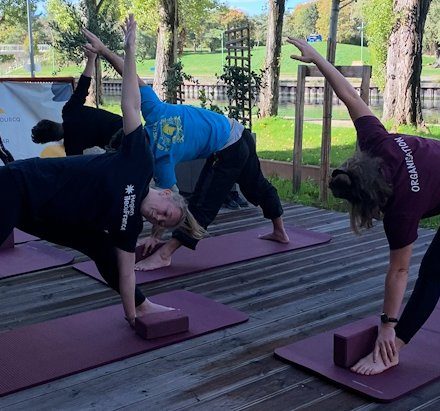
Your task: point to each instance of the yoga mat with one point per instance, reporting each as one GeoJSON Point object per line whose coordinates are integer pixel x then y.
{"type": "Point", "coordinates": [31, 256]}
{"type": "Point", "coordinates": [419, 362]}
{"type": "Point", "coordinates": [43, 352]}
{"type": "Point", "coordinates": [219, 251]}
{"type": "Point", "coordinates": [22, 237]}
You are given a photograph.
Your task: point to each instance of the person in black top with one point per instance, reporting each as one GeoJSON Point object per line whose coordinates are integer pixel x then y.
{"type": "Point", "coordinates": [82, 127]}
{"type": "Point", "coordinates": [95, 203]}
{"type": "Point", "coordinates": [5, 155]}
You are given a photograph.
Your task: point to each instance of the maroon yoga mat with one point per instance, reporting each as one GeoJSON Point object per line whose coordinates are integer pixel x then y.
{"type": "Point", "coordinates": [419, 362]}
{"type": "Point", "coordinates": [22, 237]}
{"type": "Point", "coordinates": [31, 256]}
{"type": "Point", "coordinates": [43, 352]}
{"type": "Point", "coordinates": [221, 250]}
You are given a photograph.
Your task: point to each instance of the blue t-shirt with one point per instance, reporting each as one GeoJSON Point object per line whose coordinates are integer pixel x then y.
{"type": "Point", "coordinates": [180, 133]}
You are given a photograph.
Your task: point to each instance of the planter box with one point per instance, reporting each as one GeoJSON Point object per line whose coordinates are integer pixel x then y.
{"type": "Point", "coordinates": [284, 169]}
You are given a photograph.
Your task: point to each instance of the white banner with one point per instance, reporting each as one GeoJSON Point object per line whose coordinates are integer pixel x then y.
{"type": "Point", "coordinates": [22, 105]}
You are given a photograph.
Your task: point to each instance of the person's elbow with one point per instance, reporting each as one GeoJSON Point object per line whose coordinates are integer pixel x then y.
{"type": "Point", "coordinates": [130, 107]}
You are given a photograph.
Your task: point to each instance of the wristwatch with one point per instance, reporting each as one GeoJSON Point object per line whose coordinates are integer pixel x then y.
{"type": "Point", "coordinates": [385, 319]}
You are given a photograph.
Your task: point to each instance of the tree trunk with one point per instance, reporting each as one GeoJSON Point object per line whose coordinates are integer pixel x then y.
{"type": "Point", "coordinates": [96, 88]}
{"type": "Point", "coordinates": [402, 102]}
{"type": "Point", "coordinates": [270, 93]}
{"type": "Point", "coordinates": [166, 52]}
{"type": "Point", "coordinates": [437, 55]}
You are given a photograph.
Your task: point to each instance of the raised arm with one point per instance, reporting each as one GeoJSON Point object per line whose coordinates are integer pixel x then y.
{"type": "Point", "coordinates": [97, 46]}
{"type": "Point", "coordinates": [79, 95]}
{"type": "Point", "coordinates": [90, 64]}
{"type": "Point", "coordinates": [343, 89]}
{"type": "Point", "coordinates": [131, 98]}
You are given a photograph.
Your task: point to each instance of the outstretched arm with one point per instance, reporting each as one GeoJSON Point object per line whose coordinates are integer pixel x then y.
{"type": "Point", "coordinates": [343, 89]}
{"type": "Point", "coordinates": [395, 286]}
{"type": "Point", "coordinates": [97, 46]}
{"type": "Point", "coordinates": [79, 95]}
{"type": "Point", "coordinates": [127, 283]}
{"type": "Point", "coordinates": [131, 98]}
{"type": "Point", "coordinates": [90, 65]}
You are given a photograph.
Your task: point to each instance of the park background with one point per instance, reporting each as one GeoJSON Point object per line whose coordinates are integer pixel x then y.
{"type": "Point", "coordinates": [363, 31]}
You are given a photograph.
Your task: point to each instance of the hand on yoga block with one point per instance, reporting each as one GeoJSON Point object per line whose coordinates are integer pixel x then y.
{"type": "Point", "coordinates": [161, 324]}
{"type": "Point", "coordinates": [8, 243]}
{"type": "Point", "coordinates": [352, 345]}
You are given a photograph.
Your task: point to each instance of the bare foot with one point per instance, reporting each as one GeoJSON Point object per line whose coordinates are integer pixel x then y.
{"type": "Point", "coordinates": [278, 236]}
{"type": "Point", "coordinates": [153, 262]}
{"type": "Point", "coordinates": [366, 366]}
{"type": "Point", "coordinates": [147, 307]}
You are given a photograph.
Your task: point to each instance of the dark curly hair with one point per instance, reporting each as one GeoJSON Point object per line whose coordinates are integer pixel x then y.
{"type": "Point", "coordinates": [360, 181]}
{"type": "Point", "coordinates": [46, 131]}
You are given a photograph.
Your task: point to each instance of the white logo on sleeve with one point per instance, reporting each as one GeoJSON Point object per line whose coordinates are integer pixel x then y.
{"type": "Point", "coordinates": [128, 209]}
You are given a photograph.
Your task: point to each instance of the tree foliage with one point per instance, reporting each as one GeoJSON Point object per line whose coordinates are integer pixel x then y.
{"type": "Point", "coordinates": [67, 19]}
{"type": "Point", "coordinates": [193, 15]}
{"type": "Point", "coordinates": [13, 24]}
{"type": "Point", "coordinates": [348, 21]}
{"type": "Point", "coordinates": [379, 18]}
{"type": "Point", "coordinates": [258, 25]}
{"type": "Point", "coordinates": [302, 21]}
{"type": "Point", "coordinates": [431, 38]}
{"type": "Point", "coordinates": [13, 12]}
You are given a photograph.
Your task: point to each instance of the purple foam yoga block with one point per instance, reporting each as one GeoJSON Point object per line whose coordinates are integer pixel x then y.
{"type": "Point", "coordinates": [353, 344]}
{"type": "Point", "coordinates": [162, 324]}
{"type": "Point", "coordinates": [8, 243]}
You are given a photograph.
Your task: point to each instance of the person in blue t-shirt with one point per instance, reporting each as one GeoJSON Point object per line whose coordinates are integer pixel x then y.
{"type": "Point", "coordinates": [182, 132]}
{"type": "Point", "coordinates": [96, 203]}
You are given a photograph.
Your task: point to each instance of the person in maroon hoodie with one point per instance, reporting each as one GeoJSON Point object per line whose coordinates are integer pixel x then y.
{"type": "Point", "coordinates": [393, 177]}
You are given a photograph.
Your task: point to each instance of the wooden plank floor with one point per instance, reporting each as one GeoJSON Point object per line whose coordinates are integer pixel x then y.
{"type": "Point", "coordinates": [288, 297]}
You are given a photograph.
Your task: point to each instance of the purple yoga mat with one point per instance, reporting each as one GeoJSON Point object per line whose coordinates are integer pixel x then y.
{"type": "Point", "coordinates": [43, 352]}
{"type": "Point", "coordinates": [221, 250]}
{"type": "Point", "coordinates": [22, 237]}
{"type": "Point", "coordinates": [31, 256]}
{"type": "Point", "coordinates": [419, 362]}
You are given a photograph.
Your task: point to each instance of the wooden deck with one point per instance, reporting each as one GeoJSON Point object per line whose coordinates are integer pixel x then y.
{"type": "Point", "coordinates": [288, 297]}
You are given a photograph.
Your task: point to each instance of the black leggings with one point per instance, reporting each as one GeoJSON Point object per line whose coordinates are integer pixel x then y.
{"type": "Point", "coordinates": [237, 163]}
{"type": "Point", "coordinates": [94, 243]}
{"type": "Point", "coordinates": [425, 295]}
{"type": "Point", "coordinates": [11, 203]}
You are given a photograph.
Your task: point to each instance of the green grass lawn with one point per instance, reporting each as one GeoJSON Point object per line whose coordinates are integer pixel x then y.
{"type": "Point", "coordinates": [275, 140]}
{"type": "Point", "coordinates": [206, 64]}
{"type": "Point", "coordinates": [275, 135]}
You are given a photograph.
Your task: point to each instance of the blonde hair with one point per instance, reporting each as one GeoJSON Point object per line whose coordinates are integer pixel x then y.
{"type": "Point", "coordinates": [187, 222]}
